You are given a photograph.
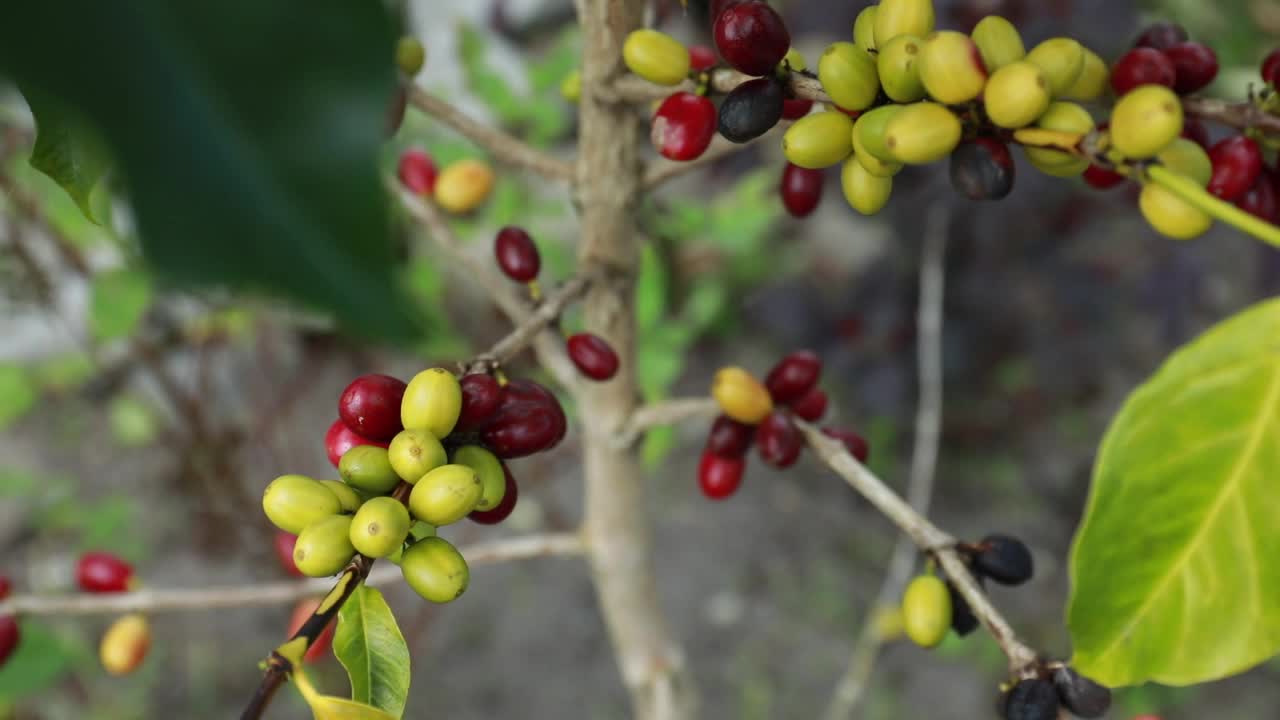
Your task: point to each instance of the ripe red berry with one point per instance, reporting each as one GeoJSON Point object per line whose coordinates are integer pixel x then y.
{"type": "Point", "coordinates": [1102, 178]}
{"type": "Point", "coordinates": [9, 637]}
{"type": "Point", "coordinates": [1194, 64]}
{"type": "Point", "coordinates": [683, 126]}
{"type": "Point", "coordinates": [793, 109]}
{"type": "Point", "coordinates": [982, 169]}
{"type": "Point", "coordinates": [778, 440]}
{"type": "Point", "coordinates": [370, 406]}
{"type": "Point", "coordinates": [1237, 162]}
{"type": "Point", "coordinates": [481, 394]}
{"type": "Point", "coordinates": [503, 509]}
{"type": "Point", "coordinates": [516, 254]}
{"type": "Point", "coordinates": [701, 58]}
{"type": "Point", "coordinates": [592, 356]}
{"type": "Point", "coordinates": [729, 438]}
{"type": "Point", "coordinates": [801, 190]}
{"type": "Point", "coordinates": [5, 586]}
{"type": "Point", "coordinates": [1161, 35]}
{"type": "Point", "coordinates": [1142, 66]}
{"type": "Point", "coordinates": [418, 172]}
{"type": "Point", "coordinates": [715, 7]}
{"type": "Point", "coordinates": [853, 442]}
{"type": "Point", "coordinates": [812, 406]}
{"type": "Point", "coordinates": [1271, 68]}
{"type": "Point", "coordinates": [793, 376]}
{"type": "Point", "coordinates": [751, 109]}
{"type": "Point", "coordinates": [1262, 200]}
{"type": "Point", "coordinates": [751, 37]}
{"type": "Point", "coordinates": [283, 546]}
{"type": "Point", "coordinates": [339, 438]}
{"type": "Point", "coordinates": [1194, 130]}
{"type": "Point", "coordinates": [528, 420]}
{"type": "Point", "coordinates": [720, 477]}
{"type": "Point", "coordinates": [100, 572]}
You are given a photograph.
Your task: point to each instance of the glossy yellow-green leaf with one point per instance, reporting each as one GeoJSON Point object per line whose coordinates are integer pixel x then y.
{"type": "Point", "coordinates": [369, 645]}
{"type": "Point", "coordinates": [328, 707]}
{"type": "Point", "coordinates": [1176, 566]}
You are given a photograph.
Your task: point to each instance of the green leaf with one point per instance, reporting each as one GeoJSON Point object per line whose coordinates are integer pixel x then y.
{"type": "Point", "coordinates": [246, 133]}
{"type": "Point", "coordinates": [328, 707]}
{"type": "Point", "coordinates": [41, 659]}
{"type": "Point", "coordinates": [132, 421]}
{"type": "Point", "coordinates": [17, 394]}
{"type": "Point", "coordinates": [369, 645]}
{"type": "Point", "coordinates": [651, 289]}
{"type": "Point", "coordinates": [69, 153]}
{"type": "Point", "coordinates": [1175, 568]}
{"type": "Point", "coordinates": [658, 444]}
{"type": "Point", "coordinates": [117, 303]}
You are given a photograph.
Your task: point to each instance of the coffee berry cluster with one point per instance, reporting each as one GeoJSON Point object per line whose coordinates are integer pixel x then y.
{"type": "Point", "coordinates": [904, 93]}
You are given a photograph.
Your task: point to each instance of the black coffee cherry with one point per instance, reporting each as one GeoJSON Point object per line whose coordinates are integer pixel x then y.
{"type": "Point", "coordinates": [751, 109]}
{"type": "Point", "coordinates": [963, 621]}
{"type": "Point", "coordinates": [1031, 699]}
{"type": "Point", "coordinates": [982, 169]}
{"type": "Point", "coordinates": [1082, 696]}
{"type": "Point", "coordinates": [1004, 559]}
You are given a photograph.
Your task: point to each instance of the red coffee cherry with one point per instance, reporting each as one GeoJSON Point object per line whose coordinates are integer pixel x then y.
{"type": "Point", "coordinates": [516, 254]}
{"type": "Point", "coordinates": [1237, 162]}
{"type": "Point", "coordinates": [683, 126]}
{"type": "Point", "coordinates": [370, 406]}
{"type": "Point", "coordinates": [9, 637]}
{"type": "Point", "coordinates": [751, 109]}
{"type": "Point", "coordinates": [1194, 64]}
{"type": "Point", "coordinates": [100, 572]}
{"type": "Point", "coordinates": [1102, 178]}
{"type": "Point", "coordinates": [729, 438]}
{"type": "Point", "coordinates": [793, 109]}
{"type": "Point", "coordinates": [528, 420]}
{"type": "Point", "coordinates": [751, 37]}
{"type": "Point", "coordinates": [5, 586]}
{"type": "Point", "coordinates": [481, 394]}
{"type": "Point", "coordinates": [793, 376]}
{"type": "Point", "coordinates": [812, 406]}
{"type": "Point", "coordinates": [339, 438]}
{"type": "Point", "coordinates": [1142, 66]}
{"type": "Point", "coordinates": [1161, 35]}
{"type": "Point", "coordinates": [853, 442]}
{"type": "Point", "coordinates": [1193, 130]}
{"type": "Point", "coordinates": [283, 546]}
{"type": "Point", "coordinates": [715, 7]}
{"type": "Point", "coordinates": [324, 643]}
{"type": "Point", "coordinates": [418, 172]}
{"type": "Point", "coordinates": [592, 356]}
{"type": "Point", "coordinates": [701, 58]}
{"type": "Point", "coordinates": [982, 169]}
{"type": "Point", "coordinates": [504, 507]}
{"type": "Point", "coordinates": [801, 190]}
{"type": "Point", "coordinates": [1262, 200]}
{"type": "Point", "coordinates": [1271, 67]}
{"type": "Point", "coordinates": [778, 440]}
{"type": "Point", "coordinates": [720, 477]}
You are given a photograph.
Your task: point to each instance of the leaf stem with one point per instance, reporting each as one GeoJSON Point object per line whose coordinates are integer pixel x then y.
{"type": "Point", "coordinates": [1189, 191]}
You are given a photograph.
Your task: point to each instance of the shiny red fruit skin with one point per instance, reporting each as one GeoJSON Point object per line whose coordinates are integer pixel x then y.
{"type": "Point", "coordinates": [481, 395]}
{"type": "Point", "coordinates": [1194, 64]}
{"type": "Point", "coordinates": [10, 636]}
{"type": "Point", "coordinates": [1161, 35]}
{"type": "Point", "coordinates": [1262, 200]}
{"type": "Point", "coordinates": [701, 58]}
{"type": "Point", "coordinates": [370, 406]}
{"type": "Point", "coordinates": [1195, 131]}
{"type": "Point", "coordinates": [812, 406]}
{"type": "Point", "coordinates": [1102, 178]}
{"type": "Point", "coordinates": [503, 509]}
{"type": "Point", "coordinates": [324, 643]}
{"type": "Point", "coordinates": [1142, 66]}
{"type": "Point", "coordinates": [1237, 162]}
{"type": "Point", "coordinates": [729, 438]}
{"type": "Point", "coordinates": [339, 438]}
{"type": "Point", "coordinates": [592, 356]}
{"type": "Point", "coordinates": [801, 190]}
{"type": "Point", "coordinates": [100, 572]}
{"type": "Point", "coordinates": [528, 420]}
{"type": "Point", "coordinates": [720, 477]}
{"type": "Point", "coordinates": [5, 587]}
{"type": "Point", "coordinates": [853, 442]}
{"type": "Point", "coordinates": [793, 109]}
{"type": "Point", "coordinates": [283, 544]}
{"type": "Point", "coordinates": [1271, 67]}
{"type": "Point", "coordinates": [751, 37]}
{"type": "Point", "coordinates": [778, 440]}
{"type": "Point", "coordinates": [715, 7]}
{"type": "Point", "coordinates": [793, 376]}
{"type": "Point", "coordinates": [683, 126]}
{"type": "Point", "coordinates": [516, 254]}
{"type": "Point", "coordinates": [418, 172]}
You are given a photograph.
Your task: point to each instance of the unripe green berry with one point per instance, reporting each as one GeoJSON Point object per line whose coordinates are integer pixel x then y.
{"type": "Point", "coordinates": [656, 57]}
{"type": "Point", "coordinates": [410, 55]}
{"type": "Point", "coordinates": [324, 547]}
{"type": "Point", "coordinates": [1065, 117]}
{"type": "Point", "coordinates": [819, 140]}
{"type": "Point", "coordinates": [864, 29]}
{"type": "Point", "coordinates": [445, 495]}
{"type": "Point", "coordinates": [432, 400]}
{"type": "Point", "coordinates": [794, 60]}
{"type": "Point", "coordinates": [865, 192]}
{"type": "Point", "coordinates": [873, 164]}
{"type": "Point", "coordinates": [348, 499]}
{"type": "Point", "coordinates": [951, 67]}
{"type": "Point", "coordinates": [1016, 95]}
{"type": "Point", "coordinates": [414, 453]}
{"type": "Point", "coordinates": [1187, 158]}
{"type": "Point", "coordinates": [1061, 59]}
{"type": "Point", "coordinates": [998, 41]}
{"type": "Point", "coordinates": [571, 86]}
{"type": "Point", "coordinates": [435, 570]}
{"type": "Point", "coordinates": [292, 502]}
{"type": "Point", "coordinates": [1145, 121]}
{"type": "Point", "coordinates": [493, 479]}
{"type": "Point", "coordinates": [849, 76]}
{"type": "Point", "coordinates": [1093, 79]}
{"type": "Point", "coordinates": [922, 133]}
{"type": "Point", "coordinates": [899, 69]}
{"type": "Point", "coordinates": [1170, 215]}
{"type": "Point", "coordinates": [926, 611]}
{"type": "Point", "coordinates": [902, 17]}
{"type": "Point", "coordinates": [870, 128]}
{"type": "Point", "coordinates": [380, 527]}
{"type": "Point", "coordinates": [367, 468]}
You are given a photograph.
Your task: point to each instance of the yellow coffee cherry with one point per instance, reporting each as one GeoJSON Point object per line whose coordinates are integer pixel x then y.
{"type": "Point", "coordinates": [872, 163]}
{"type": "Point", "coordinates": [464, 186]}
{"type": "Point", "coordinates": [1187, 158]}
{"type": "Point", "coordinates": [818, 140]}
{"type": "Point", "coordinates": [493, 480]}
{"type": "Point", "coordinates": [414, 453]}
{"type": "Point", "coordinates": [380, 527]}
{"type": "Point", "coordinates": [432, 401]}
{"type": "Point", "coordinates": [324, 547]}
{"type": "Point", "coordinates": [410, 55]}
{"type": "Point", "coordinates": [869, 130]}
{"type": "Point", "coordinates": [656, 57]}
{"type": "Point", "coordinates": [1145, 120]}
{"type": "Point", "coordinates": [1065, 117]}
{"type": "Point", "coordinates": [292, 502]}
{"type": "Point", "coordinates": [951, 68]}
{"type": "Point", "coordinates": [998, 41]}
{"type": "Point", "coordinates": [926, 611]}
{"type": "Point", "coordinates": [571, 86]}
{"type": "Point", "coordinates": [1093, 79]}
{"type": "Point", "coordinates": [1016, 95]}
{"type": "Point", "coordinates": [1170, 215]}
{"type": "Point", "coordinates": [1061, 59]}
{"type": "Point", "coordinates": [368, 468]}
{"type": "Point", "coordinates": [446, 495]}
{"type": "Point", "coordinates": [347, 498]}
{"type": "Point", "coordinates": [740, 395]}
{"type": "Point", "coordinates": [849, 76]}
{"type": "Point", "coordinates": [864, 29]}
{"type": "Point", "coordinates": [865, 192]}
{"type": "Point", "coordinates": [125, 644]}
{"type": "Point", "coordinates": [922, 133]}
{"type": "Point", "coordinates": [902, 17]}
{"type": "Point", "coordinates": [899, 69]}
{"type": "Point", "coordinates": [435, 570]}
{"type": "Point", "coordinates": [794, 59]}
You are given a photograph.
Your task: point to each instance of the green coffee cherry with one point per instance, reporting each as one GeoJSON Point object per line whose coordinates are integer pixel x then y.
{"type": "Point", "coordinates": [414, 453]}
{"type": "Point", "coordinates": [493, 479]}
{"type": "Point", "coordinates": [1092, 82]}
{"type": "Point", "coordinates": [951, 68]}
{"type": "Point", "coordinates": [1016, 95]}
{"type": "Point", "coordinates": [1061, 59]}
{"type": "Point", "coordinates": [656, 57]}
{"type": "Point", "coordinates": [1065, 117]}
{"type": "Point", "coordinates": [849, 76]}
{"type": "Point", "coordinates": [926, 611]}
{"type": "Point", "coordinates": [410, 55]}
{"type": "Point", "coordinates": [380, 527]}
{"type": "Point", "coordinates": [1145, 120]}
{"type": "Point", "coordinates": [347, 498]}
{"type": "Point", "coordinates": [922, 133]}
{"type": "Point", "coordinates": [571, 86]}
{"type": "Point", "coordinates": [432, 401]}
{"type": "Point", "coordinates": [902, 17]}
{"type": "Point", "coordinates": [292, 502]}
{"type": "Point", "coordinates": [899, 69]}
{"type": "Point", "coordinates": [819, 140]}
{"type": "Point", "coordinates": [435, 570]}
{"type": "Point", "coordinates": [998, 41]}
{"type": "Point", "coordinates": [864, 29]}
{"type": "Point", "coordinates": [1170, 215]}
{"type": "Point", "coordinates": [445, 495]}
{"type": "Point", "coordinates": [865, 192]}
{"type": "Point", "coordinates": [872, 163]}
{"type": "Point", "coordinates": [794, 60]}
{"type": "Point", "coordinates": [870, 128]}
{"type": "Point", "coordinates": [1187, 158]}
{"type": "Point", "coordinates": [324, 547]}
{"type": "Point", "coordinates": [367, 468]}
{"type": "Point", "coordinates": [422, 530]}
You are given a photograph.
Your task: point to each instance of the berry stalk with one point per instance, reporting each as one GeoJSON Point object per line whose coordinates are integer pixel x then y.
{"type": "Point", "coordinates": [1192, 193]}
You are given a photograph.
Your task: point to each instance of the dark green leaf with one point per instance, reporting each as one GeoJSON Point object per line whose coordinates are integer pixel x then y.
{"type": "Point", "coordinates": [68, 152]}
{"type": "Point", "coordinates": [118, 302]}
{"type": "Point", "coordinates": [369, 645]}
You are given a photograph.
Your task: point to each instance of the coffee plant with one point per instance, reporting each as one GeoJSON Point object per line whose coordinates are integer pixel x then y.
{"type": "Point", "coordinates": [1170, 574]}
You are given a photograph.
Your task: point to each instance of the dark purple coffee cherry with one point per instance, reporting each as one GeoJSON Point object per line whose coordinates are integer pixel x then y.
{"type": "Point", "coordinates": [963, 621]}
{"type": "Point", "coordinates": [778, 440]}
{"type": "Point", "coordinates": [1031, 699]}
{"type": "Point", "coordinates": [1004, 559]}
{"type": "Point", "coordinates": [1080, 695]}
{"type": "Point", "coordinates": [729, 438]}
{"type": "Point", "coordinates": [982, 169]}
{"type": "Point", "coordinates": [516, 254]}
{"type": "Point", "coordinates": [751, 109]}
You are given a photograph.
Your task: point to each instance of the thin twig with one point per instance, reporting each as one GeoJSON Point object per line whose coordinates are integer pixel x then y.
{"type": "Point", "coordinates": [504, 148]}
{"type": "Point", "coordinates": [665, 412]}
{"type": "Point", "coordinates": [547, 312]}
{"type": "Point", "coordinates": [1240, 115]}
{"type": "Point", "coordinates": [634, 89]}
{"type": "Point", "coordinates": [720, 149]}
{"type": "Point", "coordinates": [924, 458]}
